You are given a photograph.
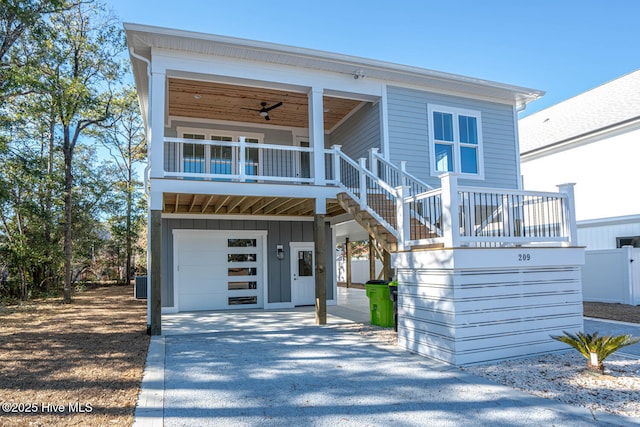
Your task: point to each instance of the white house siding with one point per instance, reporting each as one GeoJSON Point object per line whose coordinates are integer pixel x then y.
{"type": "Point", "coordinates": [278, 276]}
{"type": "Point", "coordinates": [603, 234]}
{"type": "Point", "coordinates": [358, 133]}
{"type": "Point", "coordinates": [604, 169]}
{"type": "Point", "coordinates": [468, 306]}
{"type": "Point", "coordinates": [409, 135]}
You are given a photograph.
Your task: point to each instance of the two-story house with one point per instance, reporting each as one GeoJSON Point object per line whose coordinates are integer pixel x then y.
{"type": "Point", "coordinates": [257, 150]}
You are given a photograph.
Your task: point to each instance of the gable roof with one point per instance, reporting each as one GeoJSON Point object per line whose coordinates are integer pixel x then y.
{"type": "Point", "coordinates": [605, 106]}
{"type": "Point", "coordinates": [142, 38]}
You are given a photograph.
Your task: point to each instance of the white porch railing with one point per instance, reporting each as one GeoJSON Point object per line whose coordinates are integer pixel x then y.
{"type": "Point", "coordinates": [414, 212]}
{"type": "Point", "coordinates": [237, 161]}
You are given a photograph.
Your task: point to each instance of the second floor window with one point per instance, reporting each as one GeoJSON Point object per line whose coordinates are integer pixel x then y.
{"type": "Point", "coordinates": [455, 141]}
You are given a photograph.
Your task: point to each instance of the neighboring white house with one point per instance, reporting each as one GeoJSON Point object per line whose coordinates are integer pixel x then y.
{"type": "Point", "coordinates": [593, 140]}
{"type": "Point", "coordinates": [259, 154]}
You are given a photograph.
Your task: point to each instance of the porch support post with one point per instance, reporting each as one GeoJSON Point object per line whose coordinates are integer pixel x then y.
{"type": "Point", "coordinates": [372, 259]}
{"type": "Point", "coordinates": [316, 134]}
{"type": "Point", "coordinates": [157, 114]}
{"type": "Point", "coordinates": [386, 262]}
{"type": "Point", "coordinates": [347, 252]}
{"type": "Point", "coordinates": [570, 213]}
{"type": "Point", "coordinates": [320, 270]}
{"type": "Point", "coordinates": [450, 214]}
{"type": "Point", "coordinates": [155, 299]}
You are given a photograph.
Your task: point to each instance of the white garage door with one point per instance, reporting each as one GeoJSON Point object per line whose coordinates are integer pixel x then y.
{"type": "Point", "coordinates": [216, 270]}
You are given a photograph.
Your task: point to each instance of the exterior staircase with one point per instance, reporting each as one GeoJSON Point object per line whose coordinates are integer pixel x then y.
{"type": "Point", "coordinates": [372, 197]}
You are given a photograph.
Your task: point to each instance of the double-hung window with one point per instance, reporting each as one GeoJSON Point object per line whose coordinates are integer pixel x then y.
{"type": "Point", "coordinates": [455, 141]}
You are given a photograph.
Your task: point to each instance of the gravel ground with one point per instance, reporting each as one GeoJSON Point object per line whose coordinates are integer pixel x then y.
{"type": "Point", "coordinates": [561, 377]}
{"type": "Point", "coordinates": [564, 377]}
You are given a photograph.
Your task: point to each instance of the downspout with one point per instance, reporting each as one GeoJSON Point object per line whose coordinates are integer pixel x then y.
{"type": "Point", "coordinates": [145, 178]}
{"type": "Point", "coordinates": [146, 129]}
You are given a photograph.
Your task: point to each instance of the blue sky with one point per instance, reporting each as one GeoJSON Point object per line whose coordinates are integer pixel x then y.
{"type": "Point", "coordinates": [563, 47]}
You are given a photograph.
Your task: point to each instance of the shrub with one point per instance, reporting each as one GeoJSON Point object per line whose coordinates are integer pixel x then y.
{"type": "Point", "coordinates": [595, 348]}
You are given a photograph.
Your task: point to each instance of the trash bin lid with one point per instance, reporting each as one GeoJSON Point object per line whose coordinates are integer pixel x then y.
{"type": "Point", "coordinates": [377, 282]}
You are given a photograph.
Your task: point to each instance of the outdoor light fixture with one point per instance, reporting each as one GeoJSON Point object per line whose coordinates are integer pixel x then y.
{"type": "Point", "coordinates": [359, 74]}
{"type": "Point", "coordinates": [280, 251]}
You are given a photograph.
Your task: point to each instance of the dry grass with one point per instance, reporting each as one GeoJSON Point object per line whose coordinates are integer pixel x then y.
{"type": "Point", "coordinates": [89, 354]}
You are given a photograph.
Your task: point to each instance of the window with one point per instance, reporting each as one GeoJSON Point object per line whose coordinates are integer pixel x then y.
{"type": "Point", "coordinates": [628, 241]}
{"type": "Point", "coordinates": [455, 141]}
{"type": "Point", "coordinates": [219, 158]}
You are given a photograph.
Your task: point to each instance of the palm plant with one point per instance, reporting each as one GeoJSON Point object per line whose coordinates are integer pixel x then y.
{"type": "Point", "coordinates": [595, 348]}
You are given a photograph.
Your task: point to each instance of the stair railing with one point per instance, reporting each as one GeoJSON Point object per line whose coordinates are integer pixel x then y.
{"type": "Point", "coordinates": [373, 194]}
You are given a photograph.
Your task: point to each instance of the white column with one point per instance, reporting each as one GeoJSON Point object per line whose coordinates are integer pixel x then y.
{"type": "Point", "coordinates": [403, 220]}
{"type": "Point", "coordinates": [450, 214]}
{"type": "Point", "coordinates": [570, 213]}
{"type": "Point", "coordinates": [363, 183]}
{"type": "Point", "coordinates": [373, 161]}
{"type": "Point", "coordinates": [156, 144]}
{"type": "Point", "coordinates": [242, 159]}
{"type": "Point", "coordinates": [336, 163]}
{"type": "Point", "coordinates": [316, 134]}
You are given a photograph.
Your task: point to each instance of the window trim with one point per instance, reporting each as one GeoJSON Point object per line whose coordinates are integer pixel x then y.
{"type": "Point", "coordinates": [457, 163]}
{"type": "Point", "coordinates": [208, 133]}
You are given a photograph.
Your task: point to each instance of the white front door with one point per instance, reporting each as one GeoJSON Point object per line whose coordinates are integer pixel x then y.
{"type": "Point", "coordinates": [303, 283]}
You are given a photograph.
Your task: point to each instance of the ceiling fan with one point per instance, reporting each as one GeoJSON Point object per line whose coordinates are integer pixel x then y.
{"type": "Point", "coordinates": [264, 111]}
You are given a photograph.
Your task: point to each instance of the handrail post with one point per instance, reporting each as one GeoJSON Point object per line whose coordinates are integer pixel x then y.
{"type": "Point", "coordinates": [403, 171]}
{"type": "Point", "coordinates": [363, 183]}
{"type": "Point", "coordinates": [570, 213]}
{"type": "Point", "coordinates": [403, 220]}
{"type": "Point", "coordinates": [242, 159]}
{"type": "Point", "coordinates": [373, 161]}
{"type": "Point", "coordinates": [336, 163]}
{"type": "Point", "coordinates": [450, 210]}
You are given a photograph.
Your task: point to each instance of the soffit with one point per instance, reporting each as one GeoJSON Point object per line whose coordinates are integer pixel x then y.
{"type": "Point", "coordinates": [219, 101]}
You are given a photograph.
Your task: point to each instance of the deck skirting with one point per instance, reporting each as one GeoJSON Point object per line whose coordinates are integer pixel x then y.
{"type": "Point", "coordinates": [466, 305]}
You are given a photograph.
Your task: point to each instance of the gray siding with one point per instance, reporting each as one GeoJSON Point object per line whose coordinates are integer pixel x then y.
{"type": "Point", "coordinates": [359, 132]}
{"type": "Point", "coordinates": [409, 135]}
{"type": "Point", "coordinates": [278, 271]}
{"type": "Point", "coordinates": [271, 136]}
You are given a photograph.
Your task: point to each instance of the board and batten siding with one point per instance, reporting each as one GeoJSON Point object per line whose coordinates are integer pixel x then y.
{"type": "Point", "coordinates": [408, 125]}
{"type": "Point", "coordinates": [359, 133]}
{"type": "Point", "coordinates": [278, 279]}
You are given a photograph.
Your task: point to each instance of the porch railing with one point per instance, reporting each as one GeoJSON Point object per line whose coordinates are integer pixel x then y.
{"type": "Point", "coordinates": [237, 161]}
{"type": "Point", "coordinates": [414, 212]}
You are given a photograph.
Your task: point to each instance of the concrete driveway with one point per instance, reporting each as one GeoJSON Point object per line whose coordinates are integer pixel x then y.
{"type": "Point", "coordinates": [275, 368]}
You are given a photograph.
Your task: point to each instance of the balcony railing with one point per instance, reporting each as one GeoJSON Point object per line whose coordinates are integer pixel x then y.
{"type": "Point", "coordinates": [237, 161]}
{"type": "Point", "coordinates": [410, 209]}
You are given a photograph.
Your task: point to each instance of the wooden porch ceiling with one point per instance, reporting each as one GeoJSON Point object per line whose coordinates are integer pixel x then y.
{"type": "Point", "coordinates": [243, 205]}
{"type": "Point", "coordinates": [217, 101]}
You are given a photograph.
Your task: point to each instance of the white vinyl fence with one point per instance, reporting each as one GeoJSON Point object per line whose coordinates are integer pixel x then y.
{"type": "Point", "coordinates": [359, 270]}
{"type": "Point", "coordinates": [612, 275]}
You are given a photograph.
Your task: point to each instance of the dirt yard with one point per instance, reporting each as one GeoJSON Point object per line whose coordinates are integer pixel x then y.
{"type": "Point", "coordinates": [73, 365]}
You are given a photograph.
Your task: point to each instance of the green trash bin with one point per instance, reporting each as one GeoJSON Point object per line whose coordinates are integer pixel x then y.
{"type": "Point", "coordinates": [380, 304]}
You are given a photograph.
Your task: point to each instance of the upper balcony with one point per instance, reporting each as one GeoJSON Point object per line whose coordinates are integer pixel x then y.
{"type": "Point", "coordinates": [411, 212]}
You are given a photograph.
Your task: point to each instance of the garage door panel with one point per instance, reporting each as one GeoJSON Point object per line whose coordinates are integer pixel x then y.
{"type": "Point", "coordinates": [217, 270]}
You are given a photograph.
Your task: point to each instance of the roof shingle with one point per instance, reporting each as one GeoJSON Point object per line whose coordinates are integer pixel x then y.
{"type": "Point", "coordinates": [611, 103]}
